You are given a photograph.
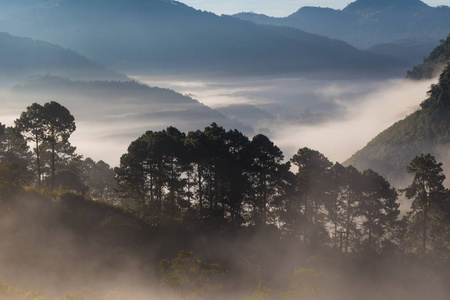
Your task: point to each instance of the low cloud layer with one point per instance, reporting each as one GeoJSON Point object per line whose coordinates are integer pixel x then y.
{"type": "Point", "coordinates": [336, 118]}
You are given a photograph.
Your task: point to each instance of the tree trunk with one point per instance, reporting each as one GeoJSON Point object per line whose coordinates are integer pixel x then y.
{"type": "Point", "coordinates": [200, 195]}
{"type": "Point", "coordinates": [348, 223]}
{"type": "Point", "coordinates": [53, 168]}
{"type": "Point", "coordinates": [424, 230]}
{"type": "Point", "coordinates": [38, 163]}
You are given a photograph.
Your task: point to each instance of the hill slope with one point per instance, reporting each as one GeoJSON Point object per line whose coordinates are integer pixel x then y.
{"type": "Point", "coordinates": [22, 57]}
{"type": "Point", "coordinates": [126, 101]}
{"type": "Point", "coordinates": [425, 131]}
{"type": "Point", "coordinates": [434, 63]}
{"type": "Point", "coordinates": [112, 113]}
{"type": "Point", "coordinates": [409, 51]}
{"type": "Point", "coordinates": [167, 36]}
{"type": "Point", "coordinates": [365, 23]}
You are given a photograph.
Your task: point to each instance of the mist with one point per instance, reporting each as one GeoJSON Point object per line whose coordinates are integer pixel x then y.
{"type": "Point", "coordinates": [56, 247]}
{"type": "Point", "coordinates": [110, 252]}
{"type": "Point", "coordinates": [335, 117]}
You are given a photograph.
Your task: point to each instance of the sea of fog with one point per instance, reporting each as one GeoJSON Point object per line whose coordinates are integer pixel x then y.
{"type": "Point", "coordinates": [334, 116]}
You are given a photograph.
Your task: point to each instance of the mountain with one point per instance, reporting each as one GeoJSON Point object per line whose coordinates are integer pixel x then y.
{"type": "Point", "coordinates": [365, 23]}
{"type": "Point", "coordinates": [22, 57]}
{"type": "Point", "coordinates": [130, 103]}
{"type": "Point", "coordinates": [110, 114]}
{"type": "Point", "coordinates": [425, 131]}
{"type": "Point", "coordinates": [409, 51]}
{"type": "Point", "coordinates": [162, 36]}
{"type": "Point", "coordinates": [434, 63]}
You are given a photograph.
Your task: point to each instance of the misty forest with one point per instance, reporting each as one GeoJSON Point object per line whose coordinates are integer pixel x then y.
{"type": "Point", "coordinates": [150, 150]}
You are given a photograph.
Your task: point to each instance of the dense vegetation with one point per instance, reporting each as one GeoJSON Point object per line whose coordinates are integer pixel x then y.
{"type": "Point", "coordinates": [434, 63]}
{"type": "Point", "coordinates": [425, 131]}
{"type": "Point", "coordinates": [212, 214]}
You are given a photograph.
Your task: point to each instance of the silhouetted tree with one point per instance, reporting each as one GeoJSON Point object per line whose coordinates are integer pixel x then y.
{"type": "Point", "coordinates": [99, 177]}
{"type": "Point", "coordinates": [14, 148]}
{"type": "Point", "coordinates": [350, 196]}
{"type": "Point", "coordinates": [426, 189]}
{"type": "Point", "coordinates": [314, 185]}
{"type": "Point", "coordinates": [31, 126]}
{"type": "Point", "coordinates": [58, 125]}
{"type": "Point", "coordinates": [269, 177]}
{"type": "Point", "coordinates": [13, 178]}
{"type": "Point", "coordinates": [132, 175]}
{"type": "Point", "coordinates": [337, 189]}
{"type": "Point", "coordinates": [378, 206]}
{"type": "Point", "coordinates": [236, 166]}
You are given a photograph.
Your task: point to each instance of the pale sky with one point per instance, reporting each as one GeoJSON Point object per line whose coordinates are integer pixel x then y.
{"type": "Point", "coordinates": [275, 8]}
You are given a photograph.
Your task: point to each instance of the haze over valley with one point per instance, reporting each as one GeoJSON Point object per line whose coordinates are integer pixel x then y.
{"type": "Point", "coordinates": [153, 149]}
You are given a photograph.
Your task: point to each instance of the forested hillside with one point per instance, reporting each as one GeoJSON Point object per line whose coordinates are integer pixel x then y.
{"type": "Point", "coordinates": [23, 57]}
{"type": "Point", "coordinates": [410, 51]}
{"type": "Point", "coordinates": [211, 214]}
{"type": "Point", "coordinates": [197, 205]}
{"type": "Point", "coordinates": [425, 131]}
{"type": "Point", "coordinates": [129, 106]}
{"type": "Point", "coordinates": [434, 63]}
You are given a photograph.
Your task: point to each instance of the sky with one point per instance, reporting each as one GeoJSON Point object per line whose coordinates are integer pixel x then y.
{"type": "Point", "coordinates": [278, 8]}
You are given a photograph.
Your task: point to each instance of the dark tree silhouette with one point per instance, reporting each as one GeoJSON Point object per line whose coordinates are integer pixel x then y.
{"type": "Point", "coordinates": [314, 186]}
{"type": "Point", "coordinates": [426, 189]}
{"type": "Point", "coordinates": [14, 148]}
{"type": "Point", "coordinates": [269, 177]}
{"type": "Point", "coordinates": [378, 206]}
{"type": "Point", "coordinates": [31, 126]}
{"type": "Point", "coordinates": [58, 125]}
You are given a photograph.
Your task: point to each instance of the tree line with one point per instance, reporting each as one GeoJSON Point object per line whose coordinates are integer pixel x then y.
{"type": "Point", "coordinates": [36, 152]}
{"type": "Point", "coordinates": [214, 177]}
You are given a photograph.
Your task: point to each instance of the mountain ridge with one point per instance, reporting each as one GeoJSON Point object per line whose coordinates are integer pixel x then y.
{"type": "Point", "coordinates": [433, 64]}
{"type": "Point", "coordinates": [360, 5]}
{"type": "Point", "coordinates": [170, 36]}
{"type": "Point", "coordinates": [23, 57]}
{"type": "Point", "coordinates": [365, 23]}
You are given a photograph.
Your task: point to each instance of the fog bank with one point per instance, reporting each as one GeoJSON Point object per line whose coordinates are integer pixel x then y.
{"type": "Point", "coordinates": [335, 117]}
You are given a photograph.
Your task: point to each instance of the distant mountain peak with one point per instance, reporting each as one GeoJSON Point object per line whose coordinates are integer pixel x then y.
{"type": "Point", "coordinates": [381, 4]}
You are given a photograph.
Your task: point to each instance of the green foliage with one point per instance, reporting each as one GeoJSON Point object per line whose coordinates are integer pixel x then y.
{"type": "Point", "coordinates": [434, 63]}
{"type": "Point", "coordinates": [205, 191]}
{"type": "Point", "coordinates": [99, 178]}
{"type": "Point", "coordinates": [191, 278]}
{"type": "Point", "coordinates": [354, 208]}
{"type": "Point", "coordinates": [429, 195]}
{"type": "Point", "coordinates": [303, 283]}
{"type": "Point", "coordinates": [213, 172]}
{"type": "Point", "coordinates": [11, 293]}
{"type": "Point", "coordinates": [314, 170]}
{"type": "Point", "coordinates": [262, 292]}
{"type": "Point", "coordinates": [378, 208]}
{"type": "Point", "coordinates": [49, 127]}
{"type": "Point", "coordinates": [13, 178]}
{"type": "Point", "coordinates": [425, 131]}
{"type": "Point", "coordinates": [13, 148]}
{"type": "Point", "coordinates": [300, 284]}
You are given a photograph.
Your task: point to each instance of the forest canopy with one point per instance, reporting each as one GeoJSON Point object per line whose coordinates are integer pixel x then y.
{"type": "Point", "coordinates": [212, 207]}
